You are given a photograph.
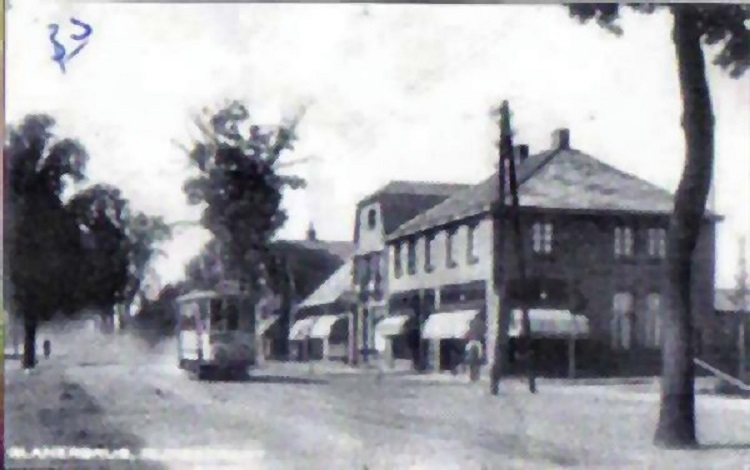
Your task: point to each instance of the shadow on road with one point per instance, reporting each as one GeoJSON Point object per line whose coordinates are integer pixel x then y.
{"type": "Point", "coordinates": [268, 379]}
{"type": "Point", "coordinates": [724, 446]}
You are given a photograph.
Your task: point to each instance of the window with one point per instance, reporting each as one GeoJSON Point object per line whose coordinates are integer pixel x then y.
{"type": "Point", "coordinates": [372, 219]}
{"type": "Point", "coordinates": [657, 242]}
{"type": "Point", "coordinates": [412, 257]}
{"type": "Point", "coordinates": [622, 321]}
{"type": "Point", "coordinates": [428, 252]}
{"type": "Point", "coordinates": [653, 322]}
{"type": "Point", "coordinates": [375, 276]}
{"type": "Point", "coordinates": [363, 270]}
{"type": "Point", "coordinates": [449, 242]}
{"type": "Point", "coordinates": [398, 267]}
{"type": "Point", "coordinates": [623, 242]}
{"type": "Point", "coordinates": [542, 236]}
{"type": "Point", "coordinates": [471, 256]}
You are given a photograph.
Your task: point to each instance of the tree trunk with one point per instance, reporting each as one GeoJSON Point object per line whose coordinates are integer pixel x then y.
{"type": "Point", "coordinates": [676, 426]}
{"type": "Point", "coordinates": [29, 341]}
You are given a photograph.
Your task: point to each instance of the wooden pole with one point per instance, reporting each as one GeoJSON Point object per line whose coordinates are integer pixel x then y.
{"type": "Point", "coordinates": [498, 272]}
{"type": "Point", "coordinates": [521, 257]}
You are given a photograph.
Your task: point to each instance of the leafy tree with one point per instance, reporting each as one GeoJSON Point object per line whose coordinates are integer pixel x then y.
{"type": "Point", "coordinates": [62, 257]}
{"type": "Point", "coordinates": [101, 213]}
{"type": "Point", "coordinates": [157, 319]}
{"type": "Point", "coordinates": [144, 233]}
{"type": "Point", "coordinates": [726, 28]}
{"type": "Point", "coordinates": [240, 186]}
{"type": "Point", "coordinates": [42, 239]}
{"type": "Point", "coordinates": [119, 244]}
{"type": "Point", "coordinates": [205, 270]}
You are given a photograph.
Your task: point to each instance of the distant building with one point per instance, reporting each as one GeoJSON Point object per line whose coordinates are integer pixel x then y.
{"type": "Point", "coordinates": [594, 240]}
{"type": "Point", "coordinates": [731, 316]}
{"type": "Point", "coordinates": [307, 263]}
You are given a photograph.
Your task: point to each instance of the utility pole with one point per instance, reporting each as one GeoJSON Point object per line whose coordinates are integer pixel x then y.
{"type": "Point", "coordinates": [507, 177]}
{"type": "Point", "coordinates": [515, 214]}
{"type": "Point", "coordinates": [505, 148]}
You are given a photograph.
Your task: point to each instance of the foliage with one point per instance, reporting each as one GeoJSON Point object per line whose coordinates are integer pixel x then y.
{"type": "Point", "coordinates": [157, 319]}
{"type": "Point", "coordinates": [42, 238]}
{"type": "Point", "coordinates": [240, 187]}
{"type": "Point", "coordinates": [722, 25]}
{"type": "Point", "coordinates": [62, 257]}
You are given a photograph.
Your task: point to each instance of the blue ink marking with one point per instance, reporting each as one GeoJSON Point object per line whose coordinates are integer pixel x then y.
{"type": "Point", "coordinates": [60, 56]}
{"type": "Point", "coordinates": [87, 30]}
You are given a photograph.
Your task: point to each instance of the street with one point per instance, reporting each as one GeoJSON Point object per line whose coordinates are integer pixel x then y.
{"type": "Point", "coordinates": [292, 416]}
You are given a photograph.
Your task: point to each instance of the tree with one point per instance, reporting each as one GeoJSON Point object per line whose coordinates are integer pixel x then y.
{"type": "Point", "coordinates": [119, 243]}
{"type": "Point", "coordinates": [42, 237]}
{"type": "Point", "coordinates": [144, 233]}
{"type": "Point", "coordinates": [157, 319]}
{"type": "Point", "coordinates": [723, 26]}
{"type": "Point", "coordinates": [240, 186]}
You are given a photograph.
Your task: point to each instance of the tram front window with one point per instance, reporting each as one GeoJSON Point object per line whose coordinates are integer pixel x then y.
{"type": "Point", "coordinates": [232, 317]}
{"type": "Point", "coordinates": [224, 316]}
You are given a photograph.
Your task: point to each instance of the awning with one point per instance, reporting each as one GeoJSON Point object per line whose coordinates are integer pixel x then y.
{"type": "Point", "coordinates": [332, 289]}
{"type": "Point", "coordinates": [265, 324]}
{"type": "Point", "coordinates": [449, 325]}
{"type": "Point", "coordinates": [550, 324]}
{"type": "Point", "coordinates": [324, 325]}
{"type": "Point", "coordinates": [392, 326]}
{"type": "Point", "coordinates": [301, 329]}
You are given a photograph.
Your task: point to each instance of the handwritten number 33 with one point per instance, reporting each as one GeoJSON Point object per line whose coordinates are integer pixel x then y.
{"type": "Point", "coordinates": [60, 55]}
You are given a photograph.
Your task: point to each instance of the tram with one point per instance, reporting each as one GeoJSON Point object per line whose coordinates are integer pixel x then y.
{"type": "Point", "coordinates": [216, 333]}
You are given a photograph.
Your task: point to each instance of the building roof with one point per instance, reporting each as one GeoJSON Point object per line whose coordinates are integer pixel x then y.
{"type": "Point", "coordinates": [563, 179]}
{"type": "Point", "coordinates": [340, 249]}
{"type": "Point", "coordinates": [401, 201]}
{"type": "Point", "coordinates": [332, 288]}
{"type": "Point", "coordinates": [725, 300]}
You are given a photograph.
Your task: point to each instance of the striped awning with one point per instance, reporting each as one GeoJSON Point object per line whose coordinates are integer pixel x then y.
{"type": "Point", "coordinates": [266, 323]}
{"type": "Point", "coordinates": [449, 325]}
{"type": "Point", "coordinates": [392, 326]}
{"type": "Point", "coordinates": [301, 329]}
{"type": "Point", "coordinates": [550, 324]}
{"type": "Point", "coordinates": [324, 325]}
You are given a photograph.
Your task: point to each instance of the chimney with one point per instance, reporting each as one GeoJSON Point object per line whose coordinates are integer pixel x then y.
{"type": "Point", "coordinates": [523, 152]}
{"type": "Point", "coordinates": [311, 235]}
{"type": "Point", "coordinates": [561, 139]}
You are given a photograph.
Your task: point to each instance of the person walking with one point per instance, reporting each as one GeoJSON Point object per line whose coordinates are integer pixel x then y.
{"type": "Point", "coordinates": [47, 346]}
{"type": "Point", "coordinates": [474, 358]}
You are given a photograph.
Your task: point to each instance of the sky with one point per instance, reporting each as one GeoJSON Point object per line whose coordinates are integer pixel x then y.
{"type": "Point", "coordinates": [393, 92]}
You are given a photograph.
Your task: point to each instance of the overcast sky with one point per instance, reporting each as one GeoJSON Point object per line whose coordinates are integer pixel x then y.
{"type": "Point", "coordinates": [395, 92]}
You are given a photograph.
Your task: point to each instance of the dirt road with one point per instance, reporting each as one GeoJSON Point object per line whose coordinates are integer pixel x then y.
{"type": "Point", "coordinates": [287, 420]}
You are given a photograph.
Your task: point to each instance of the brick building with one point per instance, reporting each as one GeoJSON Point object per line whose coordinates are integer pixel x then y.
{"type": "Point", "coordinates": [594, 239]}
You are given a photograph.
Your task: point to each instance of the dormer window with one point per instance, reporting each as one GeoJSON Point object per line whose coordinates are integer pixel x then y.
{"type": "Point", "coordinates": [372, 219]}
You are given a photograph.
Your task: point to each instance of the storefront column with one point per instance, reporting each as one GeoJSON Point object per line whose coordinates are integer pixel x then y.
{"type": "Point", "coordinates": [493, 311]}
{"type": "Point", "coordinates": [389, 352]}
{"type": "Point", "coordinates": [571, 357]}
{"type": "Point", "coordinates": [353, 357]}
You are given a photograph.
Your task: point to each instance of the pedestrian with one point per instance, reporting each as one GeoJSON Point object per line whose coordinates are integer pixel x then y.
{"type": "Point", "coordinates": [474, 357]}
{"type": "Point", "coordinates": [47, 348]}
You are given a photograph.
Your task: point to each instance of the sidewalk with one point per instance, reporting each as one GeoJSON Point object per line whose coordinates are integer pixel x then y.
{"type": "Point", "coordinates": [333, 368]}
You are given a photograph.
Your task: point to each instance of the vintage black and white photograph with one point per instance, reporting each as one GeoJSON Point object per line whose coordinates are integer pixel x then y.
{"type": "Point", "coordinates": [376, 235]}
